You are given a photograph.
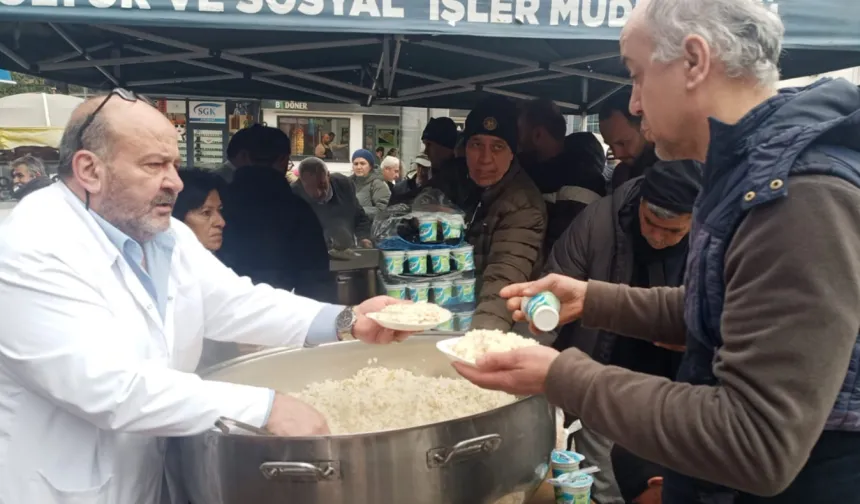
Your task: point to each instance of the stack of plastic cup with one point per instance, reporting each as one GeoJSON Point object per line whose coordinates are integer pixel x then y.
{"type": "Point", "coordinates": [577, 490]}
{"type": "Point", "coordinates": [452, 226]}
{"type": "Point", "coordinates": [464, 320]}
{"type": "Point", "coordinates": [562, 462]}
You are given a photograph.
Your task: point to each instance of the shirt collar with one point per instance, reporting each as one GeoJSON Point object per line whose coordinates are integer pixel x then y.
{"type": "Point", "coordinates": [122, 241]}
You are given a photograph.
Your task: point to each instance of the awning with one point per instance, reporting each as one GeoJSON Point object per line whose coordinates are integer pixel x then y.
{"type": "Point", "coordinates": [429, 53]}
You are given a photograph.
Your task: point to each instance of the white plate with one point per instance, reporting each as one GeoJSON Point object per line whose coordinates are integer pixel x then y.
{"type": "Point", "coordinates": [407, 327]}
{"type": "Point", "coordinates": [446, 346]}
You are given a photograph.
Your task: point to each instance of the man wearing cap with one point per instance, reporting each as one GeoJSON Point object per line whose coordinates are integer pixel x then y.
{"type": "Point", "coordinates": [636, 236]}
{"type": "Point", "coordinates": [505, 212]}
{"type": "Point", "coordinates": [440, 139]}
{"type": "Point", "coordinates": [407, 189]}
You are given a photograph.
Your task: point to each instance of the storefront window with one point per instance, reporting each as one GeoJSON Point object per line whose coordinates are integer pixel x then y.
{"type": "Point", "coordinates": [382, 132]}
{"type": "Point", "coordinates": [323, 137]}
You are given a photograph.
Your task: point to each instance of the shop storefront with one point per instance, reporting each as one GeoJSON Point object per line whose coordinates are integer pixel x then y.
{"type": "Point", "coordinates": [332, 131]}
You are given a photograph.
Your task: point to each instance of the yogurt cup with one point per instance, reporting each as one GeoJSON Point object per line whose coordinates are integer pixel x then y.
{"type": "Point", "coordinates": [428, 228]}
{"type": "Point", "coordinates": [563, 462]}
{"type": "Point", "coordinates": [397, 291]}
{"type": "Point", "coordinates": [577, 491]}
{"type": "Point", "coordinates": [542, 310]}
{"type": "Point", "coordinates": [464, 290]}
{"type": "Point", "coordinates": [440, 261]}
{"type": "Point", "coordinates": [394, 261]}
{"type": "Point", "coordinates": [442, 292]}
{"type": "Point", "coordinates": [416, 262]}
{"type": "Point", "coordinates": [452, 226]}
{"type": "Point", "coordinates": [419, 291]}
{"type": "Point", "coordinates": [464, 320]}
{"type": "Point", "coordinates": [446, 326]}
{"type": "Point", "coordinates": [464, 258]}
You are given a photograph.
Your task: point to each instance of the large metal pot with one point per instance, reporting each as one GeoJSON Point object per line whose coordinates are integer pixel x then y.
{"type": "Point", "coordinates": [499, 456]}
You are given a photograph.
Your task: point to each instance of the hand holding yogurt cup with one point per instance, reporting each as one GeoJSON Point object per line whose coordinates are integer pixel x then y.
{"type": "Point", "coordinates": [570, 294]}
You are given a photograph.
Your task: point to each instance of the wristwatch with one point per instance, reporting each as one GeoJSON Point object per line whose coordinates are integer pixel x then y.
{"type": "Point", "coordinates": [344, 323]}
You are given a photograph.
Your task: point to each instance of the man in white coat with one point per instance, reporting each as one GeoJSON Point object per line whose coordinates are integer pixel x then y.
{"type": "Point", "coordinates": [105, 302]}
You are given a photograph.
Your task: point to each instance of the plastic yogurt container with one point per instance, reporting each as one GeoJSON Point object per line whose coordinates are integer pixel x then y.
{"type": "Point", "coordinates": [419, 291]}
{"type": "Point", "coordinates": [428, 228]}
{"type": "Point", "coordinates": [397, 291]}
{"type": "Point", "coordinates": [452, 226]}
{"type": "Point", "coordinates": [446, 326]}
{"type": "Point", "coordinates": [464, 320]}
{"type": "Point", "coordinates": [464, 290]}
{"type": "Point", "coordinates": [542, 310]}
{"type": "Point", "coordinates": [563, 462]}
{"type": "Point", "coordinates": [464, 258]}
{"type": "Point", "coordinates": [416, 262]}
{"type": "Point", "coordinates": [577, 490]}
{"type": "Point", "coordinates": [440, 261]}
{"type": "Point", "coordinates": [442, 292]}
{"type": "Point", "coordinates": [394, 261]}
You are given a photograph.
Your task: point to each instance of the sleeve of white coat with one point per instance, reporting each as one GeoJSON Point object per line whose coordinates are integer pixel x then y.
{"type": "Point", "coordinates": [61, 341]}
{"type": "Point", "coordinates": [234, 309]}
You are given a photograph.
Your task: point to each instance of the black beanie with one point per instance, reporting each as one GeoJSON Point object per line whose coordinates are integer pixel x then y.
{"type": "Point", "coordinates": [441, 130]}
{"type": "Point", "coordinates": [495, 116]}
{"type": "Point", "coordinates": [673, 185]}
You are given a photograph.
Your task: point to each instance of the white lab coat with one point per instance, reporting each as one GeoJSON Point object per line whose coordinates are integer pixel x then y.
{"type": "Point", "coordinates": [91, 380]}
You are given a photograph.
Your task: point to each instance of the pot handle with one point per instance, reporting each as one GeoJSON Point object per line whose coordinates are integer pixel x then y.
{"type": "Point", "coordinates": [301, 471]}
{"type": "Point", "coordinates": [440, 457]}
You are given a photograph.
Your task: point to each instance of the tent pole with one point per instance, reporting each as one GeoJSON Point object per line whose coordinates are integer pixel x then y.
{"type": "Point", "coordinates": [467, 81]}
{"type": "Point", "coordinates": [12, 55]}
{"type": "Point", "coordinates": [376, 78]}
{"type": "Point", "coordinates": [127, 60]}
{"type": "Point", "coordinates": [306, 90]}
{"type": "Point", "coordinates": [63, 35]}
{"type": "Point", "coordinates": [390, 86]}
{"type": "Point", "coordinates": [74, 54]}
{"type": "Point", "coordinates": [605, 96]}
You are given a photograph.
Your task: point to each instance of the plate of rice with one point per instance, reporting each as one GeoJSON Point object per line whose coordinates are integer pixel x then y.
{"type": "Point", "coordinates": [411, 317]}
{"type": "Point", "coordinates": [477, 342]}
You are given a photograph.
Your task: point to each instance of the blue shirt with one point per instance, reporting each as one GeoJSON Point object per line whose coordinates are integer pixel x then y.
{"type": "Point", "coordinates": [157, 254]}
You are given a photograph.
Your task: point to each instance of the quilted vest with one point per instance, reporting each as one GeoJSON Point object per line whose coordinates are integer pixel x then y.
{"type": "Point", "coordinates": [749, 164]}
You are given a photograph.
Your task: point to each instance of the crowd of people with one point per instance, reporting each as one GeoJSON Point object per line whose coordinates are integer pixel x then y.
{"type": "Point", "coordinates": [708, 285]}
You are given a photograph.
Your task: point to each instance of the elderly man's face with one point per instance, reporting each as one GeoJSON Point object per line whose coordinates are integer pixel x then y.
{"type": "Point", "coordinates": [624, 138]}
{"type": "Point", "coordinates": [391, 173]}
{"type": "Point", "coordinates": [665, 94]}
{"type": "Point", "coordinates": [316, 185]}
{"type": "Point", "coordinates": [21, 175]}
{"type": "Point", "coordinates": [662, 233]}
{"type": "Point", "coordinates": [134, 187]}
{"type": "Point", "coordinates": [489, 158]}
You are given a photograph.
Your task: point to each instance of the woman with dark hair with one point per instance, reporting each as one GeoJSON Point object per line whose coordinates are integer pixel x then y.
{"type": "Point", "coordinates": [199, 206]}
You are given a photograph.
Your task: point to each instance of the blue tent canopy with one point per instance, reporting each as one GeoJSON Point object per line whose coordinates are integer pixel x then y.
{"type": "Point", "coordinates": [433, 53]}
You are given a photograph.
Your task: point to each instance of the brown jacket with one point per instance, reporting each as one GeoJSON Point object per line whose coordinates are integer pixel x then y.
{"type": "Point", "coordinates": [790, 320]}
{"type": "Point", "coordinates": [507, 230]}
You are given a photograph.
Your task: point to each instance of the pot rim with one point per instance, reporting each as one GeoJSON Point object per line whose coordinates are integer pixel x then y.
{"type": "Point", "coordinates": [362, 435]}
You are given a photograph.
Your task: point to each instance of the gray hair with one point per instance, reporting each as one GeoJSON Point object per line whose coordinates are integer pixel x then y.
{"type": "Point", "coordinates": [744, 34]}
{"type": "Point", "coordinates": [390, 161]}
{"type": "Point", "coordinates": [96, 138]}
{"type": "Point", "coordinates": [34, 165]}
{"type": "Point", "coordinates": [660, 212]}
{"type": "Point", "coordinates": [312, 166]}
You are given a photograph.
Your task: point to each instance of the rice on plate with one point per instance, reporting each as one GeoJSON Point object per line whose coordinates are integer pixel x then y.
{"type": "Point", "coordinates": [478, 342]}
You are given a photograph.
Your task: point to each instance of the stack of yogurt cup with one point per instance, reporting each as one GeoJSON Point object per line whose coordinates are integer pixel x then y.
{"type": "Point", "coordinates": [571, 486]}
{"type": "Point", "coordinates": [435, 227]}
{"type": "Point", "coordinates": [426, 262]}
